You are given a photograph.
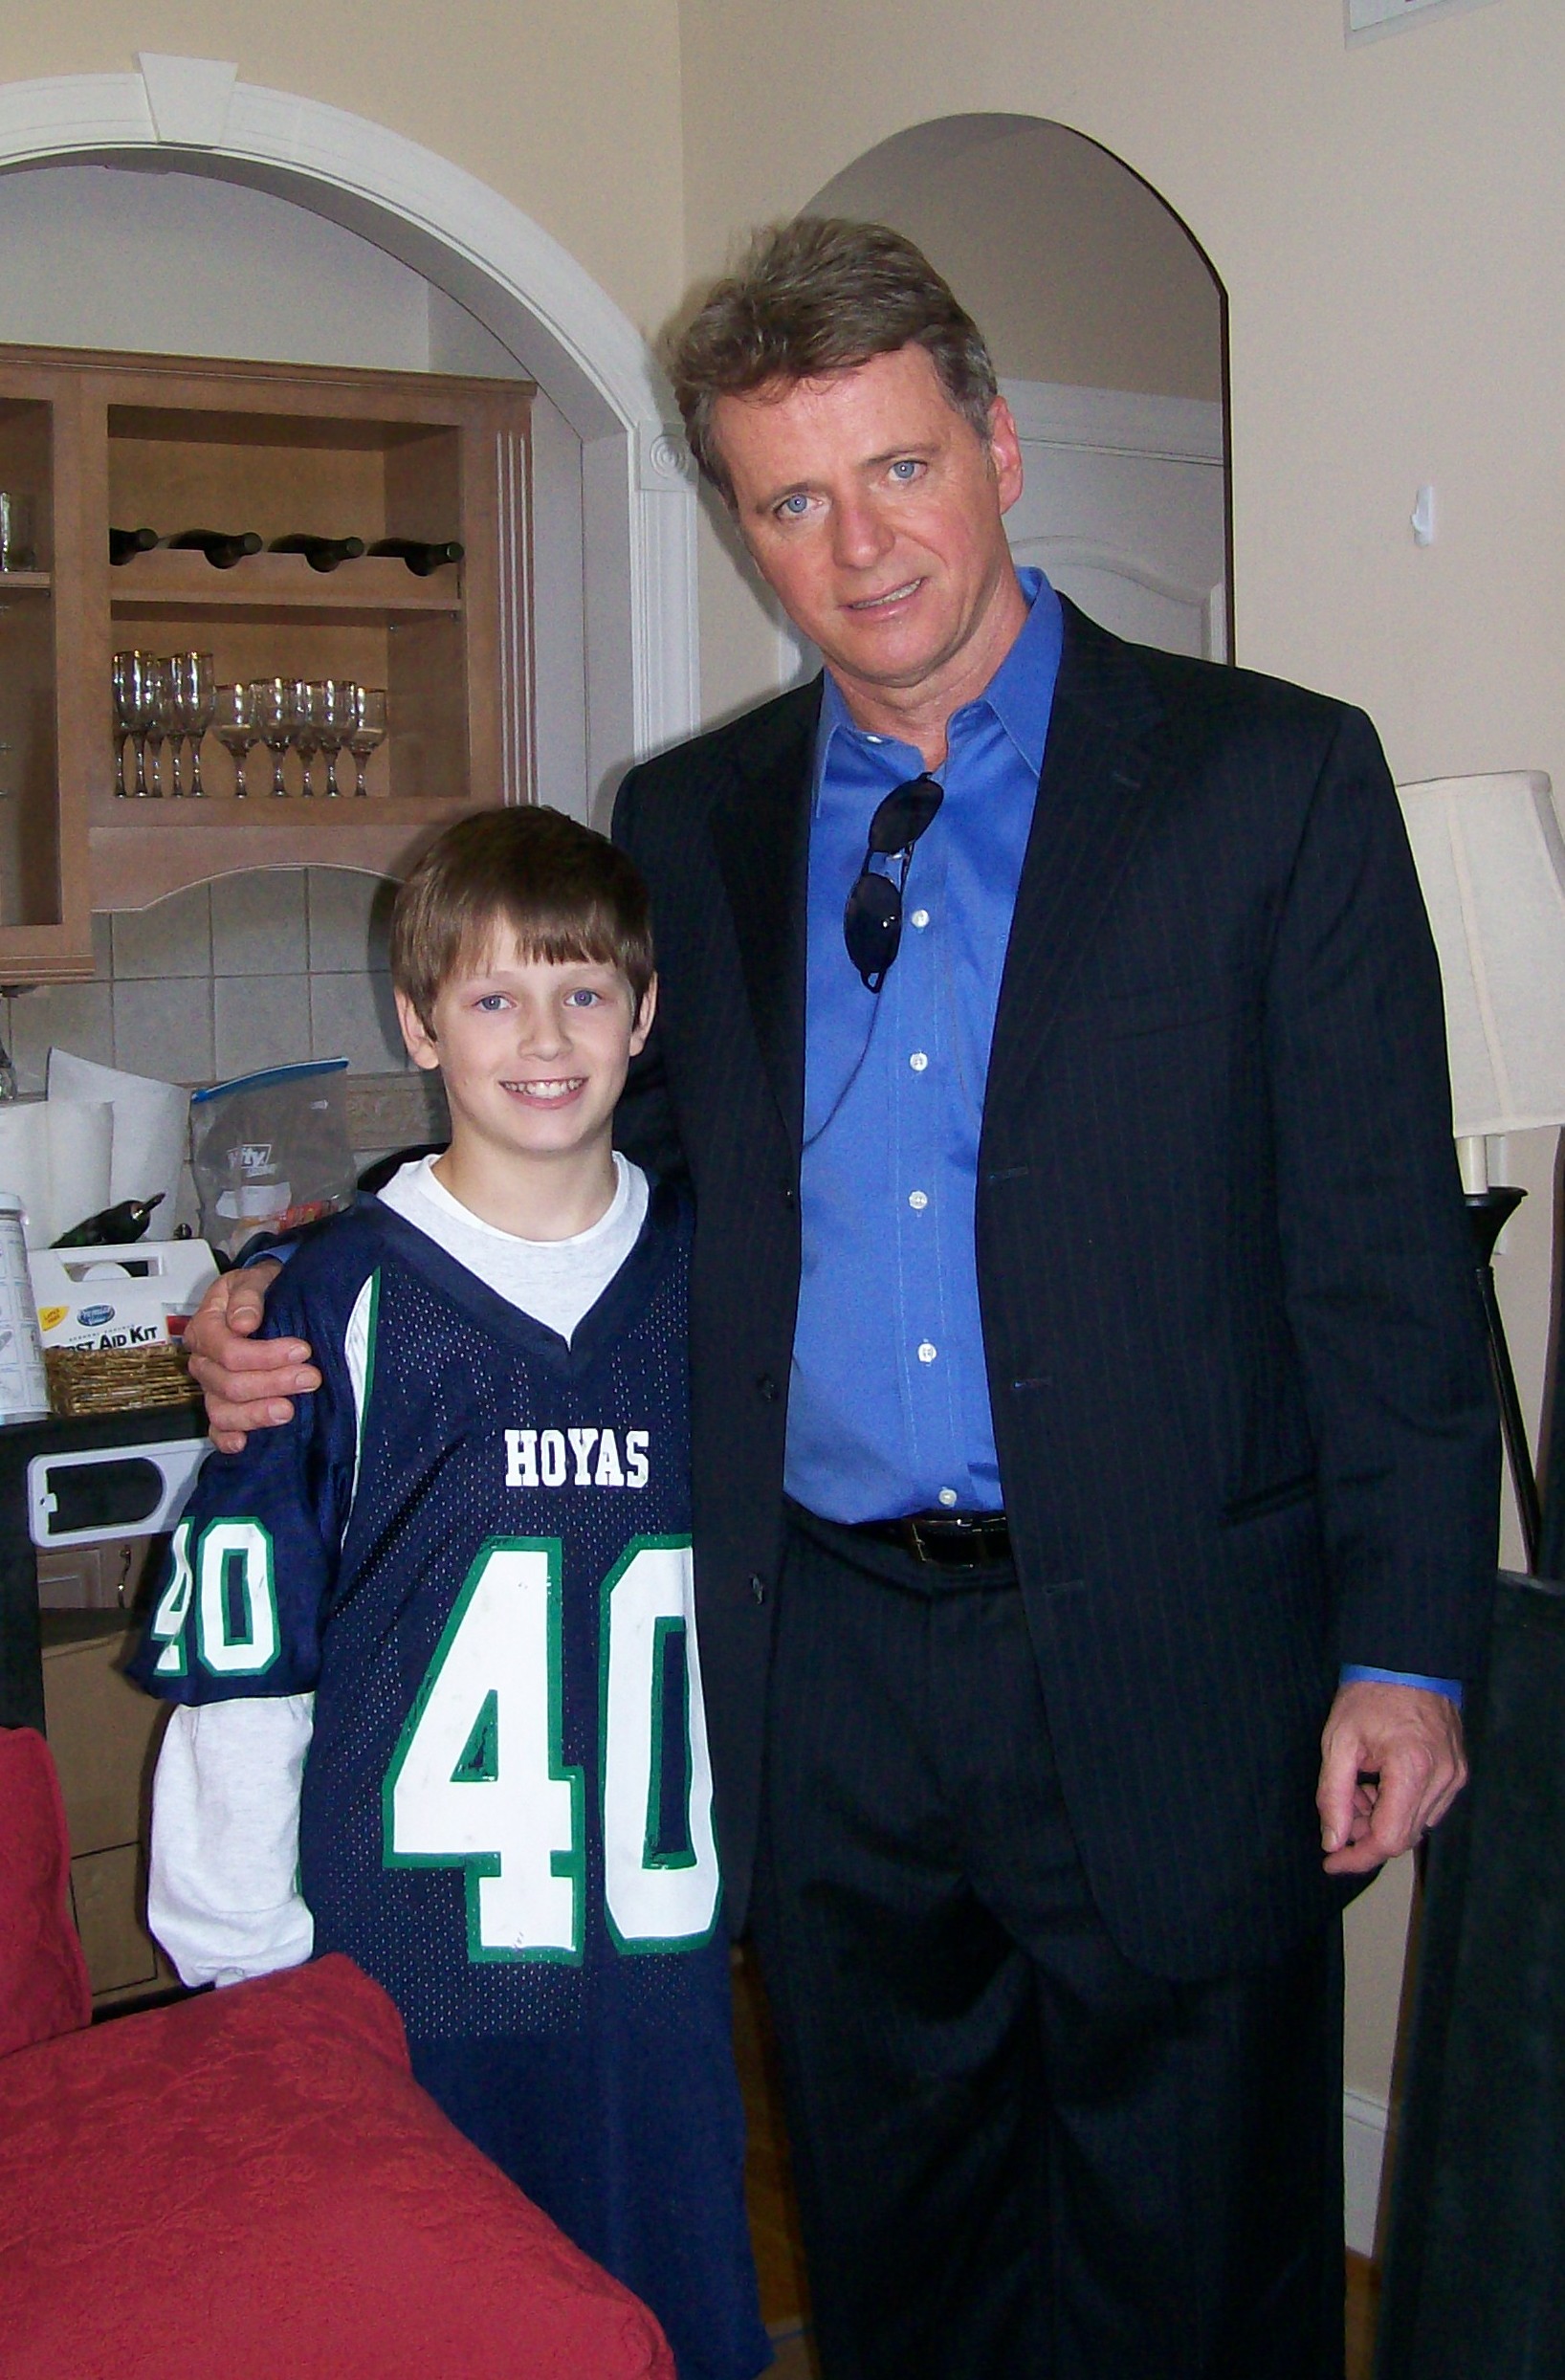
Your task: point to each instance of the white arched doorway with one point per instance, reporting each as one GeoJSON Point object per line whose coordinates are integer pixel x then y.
{"type": "Point", "coordinates": [507, 271]}
{"type": "Point", "coordinates": [1107, 324]}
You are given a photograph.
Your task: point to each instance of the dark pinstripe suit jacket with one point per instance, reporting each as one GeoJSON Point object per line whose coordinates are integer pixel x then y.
{"type": "Point", "coordinates": [1245, 1424]}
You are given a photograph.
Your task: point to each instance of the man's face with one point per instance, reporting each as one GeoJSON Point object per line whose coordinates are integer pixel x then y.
{"type": "Point", "coordinates": [874, 512]}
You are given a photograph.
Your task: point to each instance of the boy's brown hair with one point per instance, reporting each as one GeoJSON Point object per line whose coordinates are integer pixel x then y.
{"type": "Point", "coordinates": [564, 891]}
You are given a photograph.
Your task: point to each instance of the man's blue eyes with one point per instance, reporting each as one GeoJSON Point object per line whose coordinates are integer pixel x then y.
{"type": "Point", "coordinates": [904, 470]}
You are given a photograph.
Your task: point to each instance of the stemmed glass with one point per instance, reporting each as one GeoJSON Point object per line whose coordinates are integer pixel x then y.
{"type": "Point", "coordinates": [163, 719]}
{"type": "Point", "coordinates": [194, 693]}
{"type": "Point", "coordinates": [134, 711]}
{"type": "Point", "coordinates": [334, 711]}
{"type": "Point", "coordinates": [306, 730]}
{"type": "Point", "coordinates": [234, 724]}
{"type": "Point", "coordinates": [276, 716]}
{"type": "Point", "coordinates": [368, 729]}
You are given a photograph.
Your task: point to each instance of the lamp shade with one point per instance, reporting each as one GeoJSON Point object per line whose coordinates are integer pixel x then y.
{"type": "Point", "coordinates": [1491, 863]}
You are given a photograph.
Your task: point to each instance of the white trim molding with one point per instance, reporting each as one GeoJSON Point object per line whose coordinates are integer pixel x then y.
{"type": "Point", "coordinates": [1116, 421]}
{"type": "Point", "coordinates": [469, 240]}
{"type": "Point", "coordinates": [1365, 2122]}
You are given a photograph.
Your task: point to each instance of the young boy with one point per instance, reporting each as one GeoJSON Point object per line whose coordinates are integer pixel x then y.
{"type": "Point", "coordinates": [460, 1580]}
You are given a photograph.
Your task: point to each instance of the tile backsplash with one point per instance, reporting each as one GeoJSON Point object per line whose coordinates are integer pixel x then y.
{"type": "Point", "coordinates": [259, 969]}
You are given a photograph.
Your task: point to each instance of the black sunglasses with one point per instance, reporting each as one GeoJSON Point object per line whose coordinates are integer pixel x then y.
{"type": "Point", "coordinates": [872, 923]}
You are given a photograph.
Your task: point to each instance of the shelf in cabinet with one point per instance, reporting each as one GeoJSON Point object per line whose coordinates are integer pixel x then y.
{"type": "Point", "coordinates": [375, 588]}
{"type": "Point", "coordinates": [25, 583]}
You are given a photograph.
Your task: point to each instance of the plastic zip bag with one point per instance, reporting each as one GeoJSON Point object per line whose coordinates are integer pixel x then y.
{"type": "Point", "coordinates": [271, 1153]}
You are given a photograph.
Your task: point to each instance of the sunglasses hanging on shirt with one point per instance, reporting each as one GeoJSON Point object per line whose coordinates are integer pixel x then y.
{"type": "Point", "coordinates": [872, 922]}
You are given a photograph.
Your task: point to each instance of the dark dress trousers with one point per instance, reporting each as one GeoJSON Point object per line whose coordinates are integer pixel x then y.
{"type": "Point", "coordinates": [1245, 1435]}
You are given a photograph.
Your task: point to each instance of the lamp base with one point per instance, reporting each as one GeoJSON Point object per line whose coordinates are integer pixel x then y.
{"type": "Point", "coordinates": [1489, 1211]}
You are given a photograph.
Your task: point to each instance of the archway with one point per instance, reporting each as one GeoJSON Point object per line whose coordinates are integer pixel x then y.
{"type": "Point", "coordinates": [1108, 325]}
{"type": "Point", "coordinates": [507, 271]}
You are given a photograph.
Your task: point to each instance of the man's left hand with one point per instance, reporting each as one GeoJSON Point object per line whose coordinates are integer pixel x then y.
{"type": "Point", "coordinates": [1392, 1764]}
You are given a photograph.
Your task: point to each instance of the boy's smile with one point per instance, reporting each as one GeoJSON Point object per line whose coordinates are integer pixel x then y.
{"type": "Point", "coordinates": [533, 1053]}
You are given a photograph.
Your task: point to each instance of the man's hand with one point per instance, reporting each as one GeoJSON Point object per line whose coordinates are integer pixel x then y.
{"type": "Point", "coordinates": [1392, 1764]}
{"type": "Point", "coordinates": [246, 1382]}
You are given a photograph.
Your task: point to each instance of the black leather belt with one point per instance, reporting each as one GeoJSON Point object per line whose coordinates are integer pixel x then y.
{"type": "Point", "coordinates": [949, 1540]}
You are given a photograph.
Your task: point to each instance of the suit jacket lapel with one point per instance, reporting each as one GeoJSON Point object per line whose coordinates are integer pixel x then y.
{"type": "Point", "coordinates": [1092, 806]}
{"type": "Point", "coordinates": [760, 828]}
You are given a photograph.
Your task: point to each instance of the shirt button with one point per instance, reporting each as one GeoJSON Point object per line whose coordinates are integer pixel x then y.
{"type": "Point", "coordinates": [948, 1496]}
{"type": "Point", "coordinates": [926, 1351]}
{"type": "Point", "coordinates": [919, 918]}
{"type": "Point", "coordinates": [918, 1061]}
{"type": "Point", "coordinates": [918, 1199]}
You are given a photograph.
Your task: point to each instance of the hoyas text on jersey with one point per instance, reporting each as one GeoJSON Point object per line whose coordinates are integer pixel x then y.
{"type": "Point", "coordinates": [577, 1458]}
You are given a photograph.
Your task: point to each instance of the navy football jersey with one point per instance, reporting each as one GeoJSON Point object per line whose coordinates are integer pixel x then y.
{"type": "Point", "coordinates": [471, 1544]}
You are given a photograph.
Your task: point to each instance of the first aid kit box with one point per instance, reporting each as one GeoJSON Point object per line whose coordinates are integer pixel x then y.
{"type": "Point", "coordinates": [119, 1297]}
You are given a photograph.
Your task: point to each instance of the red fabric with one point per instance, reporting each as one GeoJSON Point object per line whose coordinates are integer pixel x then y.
{"type": "Point", "coordinates": [250, 2184]}
{"type": "Point", "coordinates": [43, 1976]}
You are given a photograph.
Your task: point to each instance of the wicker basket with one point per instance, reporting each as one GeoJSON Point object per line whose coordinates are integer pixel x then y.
{"type": "Point", "coordinates": [117, 1380]}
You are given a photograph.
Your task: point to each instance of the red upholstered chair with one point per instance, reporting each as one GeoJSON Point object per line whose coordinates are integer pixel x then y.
{"type": "Point", "coordinates": [250, 2184]}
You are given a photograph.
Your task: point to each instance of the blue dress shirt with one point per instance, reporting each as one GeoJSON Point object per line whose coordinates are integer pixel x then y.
{"type": "Point", "coordinates": [889, 1404]}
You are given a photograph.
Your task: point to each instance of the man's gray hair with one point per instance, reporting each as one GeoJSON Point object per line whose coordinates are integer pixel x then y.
{"type": "Point", "coordinates": [814, 298]}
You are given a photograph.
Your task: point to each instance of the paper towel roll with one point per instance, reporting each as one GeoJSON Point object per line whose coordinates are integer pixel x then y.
{"type": "Point", "coordinates": [151, 1128]}
{"type": "Point", "coordinates": [55, 1155]}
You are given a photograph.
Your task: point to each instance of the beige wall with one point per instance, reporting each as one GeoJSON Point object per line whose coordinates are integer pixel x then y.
{"type": "Point", "coordinates": [571, 108]}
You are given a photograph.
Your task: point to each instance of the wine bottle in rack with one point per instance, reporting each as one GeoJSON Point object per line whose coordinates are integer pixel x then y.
{"type": "Point", "coordinates": [221, 549]}
{"type": "Point", "coordinates": [421, 558]}
{"type": "Point", "coordinates": [124, 545]}
{"type": "Point", "coordinates": [320, 553]}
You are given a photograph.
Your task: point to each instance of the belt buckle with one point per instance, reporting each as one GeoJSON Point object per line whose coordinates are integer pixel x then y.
{"type": "Point", "coordinates": [957, 1546]}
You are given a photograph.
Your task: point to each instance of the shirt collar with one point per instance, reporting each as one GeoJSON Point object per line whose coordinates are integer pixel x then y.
{"type": "Point", "coordinates": [1019, 695]}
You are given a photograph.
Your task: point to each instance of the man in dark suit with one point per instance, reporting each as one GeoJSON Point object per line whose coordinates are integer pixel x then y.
{"type": "Point", "coordinates": [1095, 1468]}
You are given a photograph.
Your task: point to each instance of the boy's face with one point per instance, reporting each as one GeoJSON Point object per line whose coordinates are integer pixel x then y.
{"type": "Point", "coordinates": [533, 1052]}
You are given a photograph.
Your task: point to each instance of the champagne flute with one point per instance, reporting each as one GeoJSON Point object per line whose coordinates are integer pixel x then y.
{"type": "Point", "coordinates": [306, 729]}
{"type": "Point", "coordinates": [234, 724]}
{"type": "Point", "coordinates": [157, 733]}
{"type": "Point", "coordinates": [194, 690]}
{"type": "Point", "coordinates": [369, 730]}
{"type": "Point", "coordinates": [135, 708]}
{"type": "Point", "coordinates": [276, 716]}
{"type": "Point", "coordinates": [334, 708]}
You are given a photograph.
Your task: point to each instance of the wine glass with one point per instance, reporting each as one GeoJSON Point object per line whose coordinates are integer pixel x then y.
{"type": "Point", "coordinates": [334, 708]}
{"type": "Point", "coordinates": [306, 729]}
{"type": "Point", "coordinates": [193, 691]}
{"type": "Point", "coordinates": [368, 729]}
{"type": "Point", "coordinates": [158, 728]}
{"type": "Point", "coordinates": [134, 711]}
{"type": "Point", "coordinates": [276, 716]}
{"type": "Point", "coordinates": [234, 724]}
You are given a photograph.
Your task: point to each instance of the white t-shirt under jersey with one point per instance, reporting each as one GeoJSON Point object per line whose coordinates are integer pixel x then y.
{"type": "Point", "coordinates": [220, 1891]}
{"type": "Point", "coordinates": [555, 1281]}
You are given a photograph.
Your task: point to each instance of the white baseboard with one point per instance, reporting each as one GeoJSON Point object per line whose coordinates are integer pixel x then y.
{"type": "Point", "coordinates": [1363, 2157]}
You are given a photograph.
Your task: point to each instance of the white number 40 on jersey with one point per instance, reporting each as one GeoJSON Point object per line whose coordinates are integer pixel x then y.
{"type": "Point", "coordinates": [477, 1780]}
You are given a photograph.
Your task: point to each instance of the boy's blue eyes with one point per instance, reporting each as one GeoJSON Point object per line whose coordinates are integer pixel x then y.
{"type": "Point", "coordinates": [490, 1003]}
